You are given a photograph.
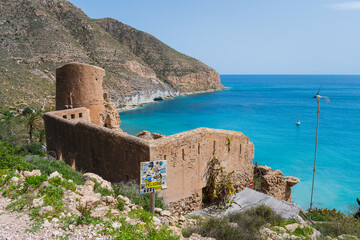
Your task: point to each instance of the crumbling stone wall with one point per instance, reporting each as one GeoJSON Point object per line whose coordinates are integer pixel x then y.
{"type": "Point", "coordinates": [188, 155]}
{"type": "Point", "coordinates": [273, 183]}
{"type": "Point", "coordinates": [114, 155]}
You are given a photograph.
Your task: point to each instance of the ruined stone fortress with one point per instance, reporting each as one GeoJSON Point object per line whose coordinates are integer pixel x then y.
{"type": "Point", "coordinates": [84, 131]}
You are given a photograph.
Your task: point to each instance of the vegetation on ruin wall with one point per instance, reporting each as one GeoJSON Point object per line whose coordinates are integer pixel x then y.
{"type": "Point", "coordinates": [219, 188]}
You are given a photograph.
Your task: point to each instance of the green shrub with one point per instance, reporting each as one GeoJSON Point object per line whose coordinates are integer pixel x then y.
{"type": "Point", "coordinates": [35, 148]}
{"type": "Point", "coordinates": [219, 187]}
{"type": "Point", "coordinates": [35, 181]}
{"type": "Point", "coordinates": [347, 225]}
{"type": "Point", "coordinates": [324, 214]}
{"type": "Point", "coordinates": [141, 214]}
{"type": "Point", "coordinates": [50, 165]}
{"type": "Point", "coordinates": [120, 205]}
{"type": "Point", "coordinates": [303, 231]}
{"type": "Point", "coordinates": [57, 181]}
{"type": "Point", "coordinates": [254, 218]}
{"type": "Point", "coordinates": [240, 225]}
{"type": "Point", "coordinates": [219, 228]}
{"type": "Point", "coordinates": [10, 158]}
{"type": "Point", "coordinates": [53, 197]}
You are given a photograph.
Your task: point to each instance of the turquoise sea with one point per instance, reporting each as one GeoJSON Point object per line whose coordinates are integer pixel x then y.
{"type": "Point", "coordinates": [265, 108]}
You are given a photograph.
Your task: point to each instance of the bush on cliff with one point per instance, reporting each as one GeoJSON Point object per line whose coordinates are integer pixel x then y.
{"type": "Point", "coordinates": [240, 225]}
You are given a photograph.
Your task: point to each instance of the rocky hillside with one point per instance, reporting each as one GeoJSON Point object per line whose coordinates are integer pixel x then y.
{"type": "Point", "coordinates": [38, 36]}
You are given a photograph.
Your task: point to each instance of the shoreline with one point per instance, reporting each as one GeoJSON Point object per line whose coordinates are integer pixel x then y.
{"type": "Point", "coordinates": [133, 107]}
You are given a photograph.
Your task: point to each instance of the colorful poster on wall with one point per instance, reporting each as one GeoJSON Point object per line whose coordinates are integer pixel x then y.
{"type": "Point", "coordinates": [153, 176]}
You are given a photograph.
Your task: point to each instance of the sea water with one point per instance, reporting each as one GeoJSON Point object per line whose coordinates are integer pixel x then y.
{"type": "Point", "coordinates": [266, 108]}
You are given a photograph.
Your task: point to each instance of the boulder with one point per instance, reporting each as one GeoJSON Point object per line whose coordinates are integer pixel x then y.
{"type": "Point", "coordinates": [158, 210]}
{"type": "Point", "coordinates": [165, 213]}
{"type": "Point", "coordinates": [157, 135]}
{"type": "Point", "coordinates": [126, 200]}
{"type": "Point", "coordinates": [104, 183]}
{"type": "Point", "coordinates": [37, 202]}
{"type": "Point", "coordinates": [292, 227]}
{"type": "Point", "coordinates": [292, 181]}
{"type": "Point", "coordinates": [55, 174]}
{"type": "Point", "coordinates": [14, 180]}
{"type": "Point", "coordinates": [90, 201]}
{"type": "Point", "coordinates": [156, 220]}
{"type": "Point", "coordinates": [32, 173]}
{"type": "Point", "coordinates": [100, 212]}
{"type": "Point", "coordinates": [45, 210]}
{"type": "Point", "coordinates": [145, 135]}
{"type": "Point", "coordinates": [110, 200]}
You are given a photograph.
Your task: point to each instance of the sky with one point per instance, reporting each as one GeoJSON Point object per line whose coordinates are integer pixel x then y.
{"type": "Point", "coordinates": [248, 36]}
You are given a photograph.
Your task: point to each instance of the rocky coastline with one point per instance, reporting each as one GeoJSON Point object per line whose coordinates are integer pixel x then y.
{"type": "Point", "coordinates": [131, 105]}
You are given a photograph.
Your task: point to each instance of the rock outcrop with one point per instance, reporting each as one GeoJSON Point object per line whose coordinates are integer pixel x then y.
{"type": "Point", "coordinates": [274, 183]}
{"type": "Point", "coordinates": [110, 116]}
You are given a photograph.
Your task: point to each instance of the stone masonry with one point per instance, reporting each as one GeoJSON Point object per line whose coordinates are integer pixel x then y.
{"type": "Point", "coordinates": [80, 85]}
{"type": "Point", "coordinates": [84, 132]}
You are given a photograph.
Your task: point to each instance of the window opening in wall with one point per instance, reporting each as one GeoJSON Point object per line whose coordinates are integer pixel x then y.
{"type": "Point", "coordinates": [183, 154]}
{"type": "Point", "coordinates": [240, 148]}
{"type": "Point", "coordinates": [164, 157]}
{"type": "Point", "coordinates": [80, 115]}
{"type": "Point", "coordinates": [65, 116]}
{"type": "Point", "coordinates": [198, 148]}
{"type": "Point", "coordinates": [72, 116]}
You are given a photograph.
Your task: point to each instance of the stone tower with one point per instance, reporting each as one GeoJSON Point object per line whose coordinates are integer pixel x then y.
{"type": "Point", "coordinates": [80, 85]}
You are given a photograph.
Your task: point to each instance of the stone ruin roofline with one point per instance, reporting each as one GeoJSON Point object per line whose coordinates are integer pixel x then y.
{"type": "Point", "coordinates": [153, 142]}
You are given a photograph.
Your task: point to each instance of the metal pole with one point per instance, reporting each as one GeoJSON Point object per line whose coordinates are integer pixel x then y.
{"type": "Point", "coordinates": [316, 140]}
{"type": "Point", "coordinates": [152, 202]}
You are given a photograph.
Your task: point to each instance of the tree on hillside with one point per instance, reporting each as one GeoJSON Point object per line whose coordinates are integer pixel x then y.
{"type": "Point", "coordinates": [31, 121]}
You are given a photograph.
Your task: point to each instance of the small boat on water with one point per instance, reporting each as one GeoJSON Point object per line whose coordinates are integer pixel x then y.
{"type": "Point", "coordinates": [298, 121]}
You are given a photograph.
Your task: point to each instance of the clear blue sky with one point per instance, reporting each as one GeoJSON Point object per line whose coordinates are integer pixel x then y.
{"type": "Point", "coordinates": [249, 36]}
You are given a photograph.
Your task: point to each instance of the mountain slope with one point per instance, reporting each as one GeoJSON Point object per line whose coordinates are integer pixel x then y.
{"type": "Point", "coordinates": [37, 36]}
{"type": "Point", "coordinates": [169, 65]}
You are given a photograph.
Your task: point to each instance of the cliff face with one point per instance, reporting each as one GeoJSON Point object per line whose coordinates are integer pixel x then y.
{"type": "Point", "coordinates": [180, 71]}
{"type": "Point", "coordinates": [39, 35]}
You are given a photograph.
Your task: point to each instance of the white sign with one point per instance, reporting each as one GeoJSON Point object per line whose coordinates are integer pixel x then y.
{"type": "Point", "coordinates": [153, 176]}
